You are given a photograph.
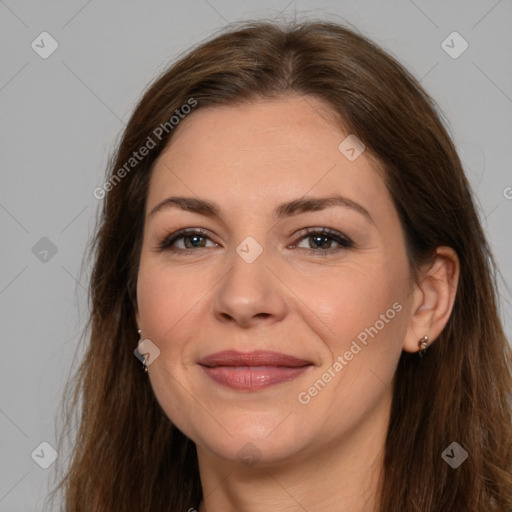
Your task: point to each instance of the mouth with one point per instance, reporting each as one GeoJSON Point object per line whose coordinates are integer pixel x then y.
{"type": "Point", "coordinates": [252, 371]}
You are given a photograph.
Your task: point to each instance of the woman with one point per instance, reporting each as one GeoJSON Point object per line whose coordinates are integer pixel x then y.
{"type": "Point", "coordinates": [289, 241]}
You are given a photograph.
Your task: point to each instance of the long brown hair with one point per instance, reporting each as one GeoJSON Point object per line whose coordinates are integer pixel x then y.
{"type": "Point", "coordinates": [128, 455]}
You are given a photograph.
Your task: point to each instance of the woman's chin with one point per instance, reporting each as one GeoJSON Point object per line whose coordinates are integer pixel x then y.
{"type": "Point", "coordinates": [255, 451]}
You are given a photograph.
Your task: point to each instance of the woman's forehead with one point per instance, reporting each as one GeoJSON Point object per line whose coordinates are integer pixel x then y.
{"type": "Point", "coordinates": [286, 147]}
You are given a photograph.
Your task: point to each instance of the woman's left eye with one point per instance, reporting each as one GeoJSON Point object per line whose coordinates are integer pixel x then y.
{"type": "Point", "coordinates": [318, 241]}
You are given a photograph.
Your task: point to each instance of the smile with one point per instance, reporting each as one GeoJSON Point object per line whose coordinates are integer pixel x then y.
{"type": "Point", "coordinates": [252, 371]}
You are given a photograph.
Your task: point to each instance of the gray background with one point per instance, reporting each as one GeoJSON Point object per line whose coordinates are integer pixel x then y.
{"type": "Point", "coordinates": [62, 115]}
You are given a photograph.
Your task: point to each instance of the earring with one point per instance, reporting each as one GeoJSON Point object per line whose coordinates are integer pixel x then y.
{"type": "Point", "coordinates": [144, 365]}
{"type": "Point", "coordinates": [423, 345]}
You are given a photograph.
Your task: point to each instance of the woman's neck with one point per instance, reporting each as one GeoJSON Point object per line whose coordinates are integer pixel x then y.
{"type": "Point", "coordinates": [343, 476]}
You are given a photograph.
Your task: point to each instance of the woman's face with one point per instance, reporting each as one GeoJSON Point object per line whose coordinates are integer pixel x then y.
{"type": "Point", "coordinates": [281, 313]}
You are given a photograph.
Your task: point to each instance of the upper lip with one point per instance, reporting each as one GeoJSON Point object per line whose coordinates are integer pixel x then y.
{"type": "Point", "coordinates": [254, 358]}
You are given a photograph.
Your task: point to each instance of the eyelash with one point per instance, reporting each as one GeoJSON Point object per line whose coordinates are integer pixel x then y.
{"type": "Point", "coordinates": [343, 241]}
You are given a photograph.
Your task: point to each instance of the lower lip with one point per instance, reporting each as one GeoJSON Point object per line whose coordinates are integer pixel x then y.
{"type": "Point", "coordinates": [253, 378]}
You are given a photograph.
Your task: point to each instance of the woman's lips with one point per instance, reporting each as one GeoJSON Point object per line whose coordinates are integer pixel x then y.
{"type": "Point", "coordinates": [251, 371]}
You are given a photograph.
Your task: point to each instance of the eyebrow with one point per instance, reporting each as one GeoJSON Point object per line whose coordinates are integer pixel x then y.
{"type": "Point", "coordinates": [288, 209]}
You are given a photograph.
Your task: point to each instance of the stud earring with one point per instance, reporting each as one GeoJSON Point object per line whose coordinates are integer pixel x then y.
{"type": "Point", "coordinates": [423, 345]}
{"type": "Point", "coordinates": [144, 365]}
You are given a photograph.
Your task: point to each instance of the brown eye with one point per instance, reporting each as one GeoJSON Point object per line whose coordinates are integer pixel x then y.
{"type": "Point", "coordinates": [185, 239]}
{"type": "Point", "coordinates": [321, 241]}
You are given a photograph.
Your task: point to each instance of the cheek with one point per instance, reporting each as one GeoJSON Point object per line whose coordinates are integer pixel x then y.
{"type": "Point", "coordinates": [363, 316]}
{"type": "Point", "coordinates": [166, 302]}
{"type": "Point", "coordinates": [156, 307]}
{"type": "Point", "coordinates": [350, 300]}
{"type": "Point", "coordinates": [164, 297]}
{"type": "Point", "coordinates": [153, 297]}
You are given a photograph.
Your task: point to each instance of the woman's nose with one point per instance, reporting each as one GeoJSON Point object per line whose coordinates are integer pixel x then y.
{"type": "Point", "coordinates": [251, 293]}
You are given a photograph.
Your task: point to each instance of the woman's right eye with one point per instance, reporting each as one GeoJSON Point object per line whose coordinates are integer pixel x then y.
{"type": "Point", "coordinates": [185, 239]}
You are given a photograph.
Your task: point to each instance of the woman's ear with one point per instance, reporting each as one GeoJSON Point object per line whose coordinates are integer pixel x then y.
{"type": "Point", "coordinates": [433, 298]}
